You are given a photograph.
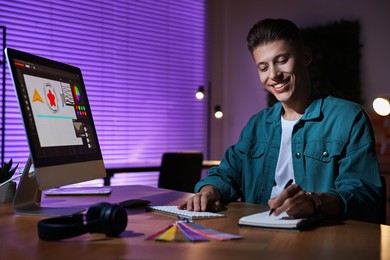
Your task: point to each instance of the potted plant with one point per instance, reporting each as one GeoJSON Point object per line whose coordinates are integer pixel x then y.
{"type": "Point", "coordinates": [7, 186]}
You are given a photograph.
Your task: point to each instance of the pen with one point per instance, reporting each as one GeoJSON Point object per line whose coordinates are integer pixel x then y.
{"type": "Point", "coordinates": [290, 181]}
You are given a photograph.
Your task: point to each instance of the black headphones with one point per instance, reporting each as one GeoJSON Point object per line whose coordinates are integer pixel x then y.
{"type": "Point", "coordinates": [110, 219]}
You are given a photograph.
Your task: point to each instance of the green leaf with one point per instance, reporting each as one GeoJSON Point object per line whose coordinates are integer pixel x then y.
{"type": "Point", "coordinates": [6, 172]}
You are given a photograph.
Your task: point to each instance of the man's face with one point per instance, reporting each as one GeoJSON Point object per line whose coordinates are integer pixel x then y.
{"type": "Point", "coordinates": [283, 69]}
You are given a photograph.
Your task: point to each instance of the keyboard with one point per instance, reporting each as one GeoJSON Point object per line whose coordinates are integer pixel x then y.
{"type": "Point", "coordinates": [173, 210]}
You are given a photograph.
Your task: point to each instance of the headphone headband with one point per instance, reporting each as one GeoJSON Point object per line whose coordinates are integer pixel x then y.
{"type": "Point", "coordinates": [110, 219]}
{"type": "Point", "coordinates": [61, 227]}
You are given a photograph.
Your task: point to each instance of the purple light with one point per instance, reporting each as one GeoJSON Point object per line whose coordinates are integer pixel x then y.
{"type": "Point", "coordinates": [141, 63]}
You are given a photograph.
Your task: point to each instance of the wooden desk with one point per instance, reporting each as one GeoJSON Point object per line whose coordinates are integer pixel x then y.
{"type": "Point", "coordinates": [346, 240]}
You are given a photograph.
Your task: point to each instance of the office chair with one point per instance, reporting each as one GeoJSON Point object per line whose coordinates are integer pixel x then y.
{"type": "Point", "coordinates": [180, 171]}
{"type": "Point", "coordinates": [384, 201]}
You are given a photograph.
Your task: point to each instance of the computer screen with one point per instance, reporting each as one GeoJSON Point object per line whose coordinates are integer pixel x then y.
{"type": "Point", "coordinates": [58, 120]}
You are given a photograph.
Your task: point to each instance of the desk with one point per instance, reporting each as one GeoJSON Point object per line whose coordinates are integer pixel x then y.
{"type": "Point", "coordinates": [346, 240]}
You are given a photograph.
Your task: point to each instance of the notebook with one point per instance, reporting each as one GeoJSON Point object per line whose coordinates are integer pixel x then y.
{"type": "Point", "coordinates": [173, 210]}
{"type": "Point", "coordinates": [283, 221]}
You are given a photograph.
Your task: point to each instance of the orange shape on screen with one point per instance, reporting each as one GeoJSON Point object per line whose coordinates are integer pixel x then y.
{"type": "Point", "coordinates": [37, 97]}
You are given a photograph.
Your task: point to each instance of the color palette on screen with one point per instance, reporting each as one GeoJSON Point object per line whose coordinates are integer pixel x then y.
{"type": "Point", "coordinates": [76, 93]}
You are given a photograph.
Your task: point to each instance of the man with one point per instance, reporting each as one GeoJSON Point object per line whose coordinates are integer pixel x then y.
{"type": "Point", "coordinates": [325, 145]}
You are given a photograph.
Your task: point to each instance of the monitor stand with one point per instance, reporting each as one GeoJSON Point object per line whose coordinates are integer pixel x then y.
{"type": "Point", "coordinates": [28, 197]}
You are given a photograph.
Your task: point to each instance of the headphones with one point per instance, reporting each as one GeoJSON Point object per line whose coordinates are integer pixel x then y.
{"type": "Point", "coordinates": [110, 219]}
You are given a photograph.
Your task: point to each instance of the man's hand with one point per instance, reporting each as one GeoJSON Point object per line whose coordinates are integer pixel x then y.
{"type": "Point", "coordinates": [298, 204]}
{"type": "Point", "coordinates": [293, 201]}
{"type": "Point", "coordinates": [207, 199]}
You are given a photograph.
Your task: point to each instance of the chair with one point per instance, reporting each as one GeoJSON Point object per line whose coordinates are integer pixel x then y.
{"type": "Point", "coordinates": [180, 171]}
{"type": "Point", "coordinates": [384, 201]}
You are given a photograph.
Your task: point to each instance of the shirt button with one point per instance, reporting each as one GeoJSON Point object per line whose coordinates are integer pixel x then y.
{"type": "Point", "coordinates": [298, 155]}
{"type": "Point", "coordinates": [325, 154]}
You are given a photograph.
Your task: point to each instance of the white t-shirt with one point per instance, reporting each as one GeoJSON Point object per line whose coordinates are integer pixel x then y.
{"type": "Point", "coordinates": [284, 168]}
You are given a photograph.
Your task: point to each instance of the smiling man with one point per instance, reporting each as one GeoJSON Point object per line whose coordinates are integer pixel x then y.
{"type": "Point", "coordinates": [323, 144]}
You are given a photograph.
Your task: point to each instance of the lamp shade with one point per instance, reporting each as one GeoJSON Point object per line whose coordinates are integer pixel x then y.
{"type": "Point", "coordinates": [218, 112]}
{"type": "Point", "coordinates": [200, 93]}
{"type": "Point", "coordinates": [381, 106]}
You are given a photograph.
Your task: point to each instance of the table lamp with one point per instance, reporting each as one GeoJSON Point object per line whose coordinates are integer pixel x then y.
{"type": "Point", "coordinates": [381, 106]}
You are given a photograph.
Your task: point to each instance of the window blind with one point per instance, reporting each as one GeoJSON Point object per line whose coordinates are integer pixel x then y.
{"type": "Point", "coordinates": [142, 61]}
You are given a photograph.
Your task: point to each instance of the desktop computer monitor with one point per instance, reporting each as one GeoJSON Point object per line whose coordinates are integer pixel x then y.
{"type": "Point", "coordinates": [59, 126]}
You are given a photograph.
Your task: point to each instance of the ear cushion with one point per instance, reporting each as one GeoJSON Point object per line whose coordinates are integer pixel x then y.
{"type": "Point", "coordinates": [110, 219]}
{"type": "Point", "coordinates": [61, 227]}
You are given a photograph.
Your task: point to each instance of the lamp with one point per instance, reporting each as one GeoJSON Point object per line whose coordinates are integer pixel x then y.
{"type": "Point", "coordinates": [218, 112]}
{"type": "Point", "coordinates": [200, 93]}
{"type": "Point", "coordinates": [382, 106]}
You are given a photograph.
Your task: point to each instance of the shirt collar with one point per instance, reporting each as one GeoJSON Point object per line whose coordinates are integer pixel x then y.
{"type": "Point", "coordinates": [313, 111]}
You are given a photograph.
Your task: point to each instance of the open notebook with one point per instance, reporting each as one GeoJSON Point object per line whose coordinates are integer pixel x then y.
{"type": "Point", "coordinates": [263, 219]}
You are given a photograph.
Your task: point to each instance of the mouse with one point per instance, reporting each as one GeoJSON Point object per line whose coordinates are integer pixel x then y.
{"type": "Point", "coordinates": [134, 203]}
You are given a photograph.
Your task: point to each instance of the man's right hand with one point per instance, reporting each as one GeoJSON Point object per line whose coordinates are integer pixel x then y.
{"type": "Point", "coordinates": [207, 199]}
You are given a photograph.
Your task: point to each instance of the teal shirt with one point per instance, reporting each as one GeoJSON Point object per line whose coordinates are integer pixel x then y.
{"type": "Point", "coordinates": [333, 151]}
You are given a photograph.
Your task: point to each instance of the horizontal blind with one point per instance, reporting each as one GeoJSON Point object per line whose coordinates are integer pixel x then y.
{"type": "Point", "coordinates": [142, 61]}
{"type": "Point", "coordinates": [2, 99]}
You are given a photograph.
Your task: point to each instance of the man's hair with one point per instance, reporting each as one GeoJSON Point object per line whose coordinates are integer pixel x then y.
{"type": "Point", "coordinates": [270, 30]}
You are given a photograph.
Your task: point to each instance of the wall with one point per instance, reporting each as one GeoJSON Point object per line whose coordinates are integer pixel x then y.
{"type": "Point", "coordinates": [235, 83]}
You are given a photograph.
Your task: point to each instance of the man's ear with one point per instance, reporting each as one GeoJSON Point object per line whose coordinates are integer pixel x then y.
{"type": "Point", "coordinates": [307, 55]}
